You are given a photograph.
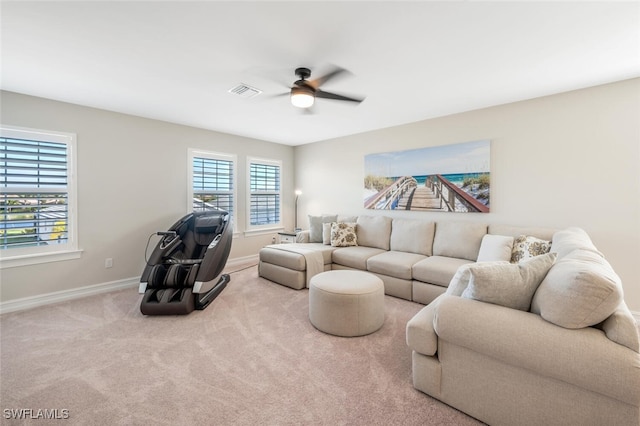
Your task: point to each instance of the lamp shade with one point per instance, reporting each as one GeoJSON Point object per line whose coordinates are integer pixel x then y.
{"type": "Point", "coordinates": [302, 97]}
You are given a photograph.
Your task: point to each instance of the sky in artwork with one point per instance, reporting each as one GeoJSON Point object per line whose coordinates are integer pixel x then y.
{"type": "Point", "coordinates": [468, 157]}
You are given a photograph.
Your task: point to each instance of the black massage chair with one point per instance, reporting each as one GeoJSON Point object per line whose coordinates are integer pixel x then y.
{"type": "Point", "coordinates": [183, 271]}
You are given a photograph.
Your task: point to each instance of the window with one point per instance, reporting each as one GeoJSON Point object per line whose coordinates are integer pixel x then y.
{"type": "Point", "coordinates": [264, 193]}
{"type": "Point", "coordinates": [37, 187]}
{"type": "Point", "coordinates": [212, 179]}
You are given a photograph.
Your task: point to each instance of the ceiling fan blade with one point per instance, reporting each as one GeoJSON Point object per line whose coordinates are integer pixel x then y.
{"type": "Point", "coordinates": [276, 95]}
{"type": "Point", "coordinates": [336, 97]}
{"type": "Point", "coordinates": [316, 83]}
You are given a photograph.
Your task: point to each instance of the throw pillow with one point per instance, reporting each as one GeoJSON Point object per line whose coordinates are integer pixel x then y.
{"type": "Point", "coordinates": [315, 226]}
{"type": "Point", "coordinates": [326, 233]}
{"type": "Point", "coordinates": [495, 247]}
{"type": "Point", "coordinates": [343, 234]}
{"type": "Point", "coordinates": [460, 280]}
{"type": "Point", "coordinates": [507, 284]}
{"type": "Point", "coordinates": [525, 247]}
{"type": "Point", "coordinates": [580, 290]}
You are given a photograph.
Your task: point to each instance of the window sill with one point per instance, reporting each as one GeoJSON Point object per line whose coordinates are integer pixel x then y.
{"type": "Point", "coordinates": [34, 259]}
{"type": "Point", "coordinates": [262, 231]}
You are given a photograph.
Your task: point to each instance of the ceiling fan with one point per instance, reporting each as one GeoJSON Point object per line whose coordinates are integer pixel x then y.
{"type": "Point", "coordinates": [304, 91]}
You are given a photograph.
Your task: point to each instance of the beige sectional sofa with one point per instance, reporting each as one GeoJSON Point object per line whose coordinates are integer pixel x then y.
{"type": "Point", "coordinates": [415, 259]}
{"type": "Point", "coordinates": [547, 340]}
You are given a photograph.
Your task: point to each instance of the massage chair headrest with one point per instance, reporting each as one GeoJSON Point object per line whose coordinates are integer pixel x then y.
{"type": "Point", "coordinates": [206, 228]}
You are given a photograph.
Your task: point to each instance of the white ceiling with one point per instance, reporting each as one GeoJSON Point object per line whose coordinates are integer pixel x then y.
{"type": "Point", "coordinates": [176, 61]}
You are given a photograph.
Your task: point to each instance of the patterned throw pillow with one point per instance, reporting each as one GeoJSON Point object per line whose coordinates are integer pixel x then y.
{"type": "Point", "coordinates": [525, 247]}
{"type": "Point", "coordinates": [343, 234]}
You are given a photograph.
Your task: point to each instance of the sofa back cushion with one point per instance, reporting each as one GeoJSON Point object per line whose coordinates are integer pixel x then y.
{"type": "Point", "coordinates": [579, 291]}
{"type": "Point", "coordinates": [412, 236]}
{"type": "Point", "coordinates": [570, 239]}
{"type": "Point", "coordinates": [458, 239]}
{"type": "Point", "coordinates": [374, 231]}
{"type": "Point", "coordinates": [514, 231]}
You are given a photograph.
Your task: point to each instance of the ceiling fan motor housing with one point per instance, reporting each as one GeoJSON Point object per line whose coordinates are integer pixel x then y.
{"type": "Point", "coordinates": [303, 73]}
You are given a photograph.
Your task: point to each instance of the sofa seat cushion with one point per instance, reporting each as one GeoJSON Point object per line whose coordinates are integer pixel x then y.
{"type": "Point", "coordinates": [354, 257]}
{"type": "Point", "coordinates": [396, 264]}
{"type": "Point", "coordinates": [580, 290]}
{"type": "Point", "coordinates": [437, 270]}
{"type": "Point", "coordinates": [291, 260]}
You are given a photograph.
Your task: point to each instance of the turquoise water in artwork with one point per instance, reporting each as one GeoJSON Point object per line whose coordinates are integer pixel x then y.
{"type": "Point", "coordinates": [454, 178]}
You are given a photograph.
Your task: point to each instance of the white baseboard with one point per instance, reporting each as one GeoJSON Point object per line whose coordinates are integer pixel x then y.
{"type": "Point", "coordinates": [76, 293]}
{"type": "Point", "coordinates": [241, 261]}
{"type": "Point", "coordinates": [64, 295]}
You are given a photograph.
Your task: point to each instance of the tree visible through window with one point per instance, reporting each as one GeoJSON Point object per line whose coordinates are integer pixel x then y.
{"type": "Point", "coordinates": [36, 190]}
{"type": "Point", "coordinates": [264, 188]}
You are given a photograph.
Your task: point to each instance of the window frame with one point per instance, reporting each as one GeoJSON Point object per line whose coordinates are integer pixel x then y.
{"type": "Point", "coordinates": [200, 153]}
{"type": "Point", "coordinates": [270, 226]}
{"type": "Point", "coordinates": [23, 256]}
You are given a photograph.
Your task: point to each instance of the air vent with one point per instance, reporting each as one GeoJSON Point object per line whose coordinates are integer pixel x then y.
{"type": "Point", "coordinates": [245, 91]}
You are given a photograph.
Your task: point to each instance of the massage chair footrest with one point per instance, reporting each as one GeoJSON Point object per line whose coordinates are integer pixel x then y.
{"type": "Point", "coordinates": [168, 301]}
{"type": "Point", "coordinates": [179, 301]}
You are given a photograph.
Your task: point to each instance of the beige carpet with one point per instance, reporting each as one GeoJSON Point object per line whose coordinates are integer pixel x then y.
{"type": "Point", "coordinates": [251, 358]}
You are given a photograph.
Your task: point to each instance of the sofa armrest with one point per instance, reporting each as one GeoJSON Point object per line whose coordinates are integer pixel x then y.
{"type": "Point", "coordinates": [303, 236]}
{"type": "Point", "coordinates": [421, 337]}
{"type": "Point", "coordinates": [583, 357]}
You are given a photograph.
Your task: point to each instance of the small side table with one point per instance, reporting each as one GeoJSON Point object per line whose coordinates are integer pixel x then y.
{"type": "Point", "coordinates": [287, 237]}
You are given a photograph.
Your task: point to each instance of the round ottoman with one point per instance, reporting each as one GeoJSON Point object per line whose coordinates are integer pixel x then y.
{"type": "Point", "coordinates": [346, 303]}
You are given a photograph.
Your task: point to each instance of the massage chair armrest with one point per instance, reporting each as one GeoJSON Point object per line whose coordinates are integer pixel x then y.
{"type": "Point", "coordinates": [584, 357]}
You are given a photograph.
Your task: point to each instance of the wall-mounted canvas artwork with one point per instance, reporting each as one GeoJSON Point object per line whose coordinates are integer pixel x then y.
{"type": "Point", "coordinates": [447, 178]}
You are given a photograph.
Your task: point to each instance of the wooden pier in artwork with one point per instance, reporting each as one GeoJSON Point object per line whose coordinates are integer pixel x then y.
{"type": "Point", "coordinates": [437, 194]}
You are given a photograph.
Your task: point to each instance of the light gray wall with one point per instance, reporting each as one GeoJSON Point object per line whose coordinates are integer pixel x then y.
{"type": "Point", "coordinates": [132, 181]}
{"type": "Point", "coordinates": [571, 159]}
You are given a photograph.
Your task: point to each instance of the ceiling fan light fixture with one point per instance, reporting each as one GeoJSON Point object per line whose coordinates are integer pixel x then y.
{"type": "Point", "coordinates": [302, 97]}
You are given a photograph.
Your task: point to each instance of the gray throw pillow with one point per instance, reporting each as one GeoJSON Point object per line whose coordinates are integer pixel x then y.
{"type": "Point", "coordinates": [315, 226]}
{"type": "Point", "coordinates": [507, 284]}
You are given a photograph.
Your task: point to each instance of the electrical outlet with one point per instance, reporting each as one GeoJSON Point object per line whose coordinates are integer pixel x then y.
{"type": "Point", "coordinates": [108, 263]}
